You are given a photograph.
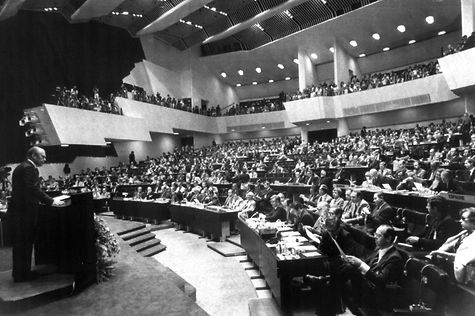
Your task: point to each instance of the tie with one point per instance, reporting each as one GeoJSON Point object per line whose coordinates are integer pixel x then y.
{"type": "Point", "coordinates": [374, 261]}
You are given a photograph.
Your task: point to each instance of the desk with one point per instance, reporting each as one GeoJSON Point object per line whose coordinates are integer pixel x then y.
{"type": "Point", "coordinates": [293, 189]}
{"type": "Point", "coordinates": [144, 209]}
{"type": "Point", "coordinates": [216, 222]}
{"type": "Point", "coordinates": [278, 273]}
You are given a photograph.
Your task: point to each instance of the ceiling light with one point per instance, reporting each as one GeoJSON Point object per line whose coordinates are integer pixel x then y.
{"type": "Point", "coordinates": [125, 13]}
{"type": "Point", "coordinates": [271, 80]}
{"type": "Point", "coordinates": [314, 56]}
{"type": "Point", "coordinates": [64, 145]}
{"type": "Point", "coordinates": [441, 33]}
{"type": "Point", "coordinates": [376, 36]}
{"type": "Point", "coordinates": [240, 72]}
{"type": "Point", "coordinates": [296, 61]}
{"type": "Point", "coordinates": [254, 83]}
{"type": "Point", "coordinates": [175, 133]}
{"type": "Point", "coordinates": [280, 66]}
{"type": "Point", "coordinates": [401, 28]}
{"type": "Point", "coordinates": [287, 78]}
{"type": "Point", "coordinates": [328, 122]}
{"type": "Point", "coordinates": [307, 124]}
{"type": "Point", "coordinates": [259, 27]}
{"type": "Point", "coordinates": [430, 19]}
{"type": "Point", "coordinates": [331, 49]}
{"type": "Point", "coordinates": [258, 70]}
{"type": "Point", "coordinates": [385, 49]}
{"type": "Point", "coordinates": [288, 14]}
{"type": "Point", "coordinates": [362, 55]}
{"type": "Point", "coordinates": [412, 41]}
{"type": "Point", "coordinates": [238, 85]}
{"type": "Point", "coordinates": [353, 43]}
{"type": "Point", "coordinates": [223, 74]}
{"type": "Point", "coordinates": [263, 127]}
{"type": "Point", "coordinates": [232, 130]}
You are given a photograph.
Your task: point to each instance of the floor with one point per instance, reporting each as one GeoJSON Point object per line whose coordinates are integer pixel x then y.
{"type": "Point", "coordinates": [222, 285]}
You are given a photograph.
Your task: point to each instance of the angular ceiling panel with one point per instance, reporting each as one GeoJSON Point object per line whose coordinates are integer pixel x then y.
{"type": "Point", "coordinates": [311, 13]}
{"type": "Point", "coordinates": [280, 25]}
{"type": "Point", "coordinates": [267, 4]}
{"type": "Point", "coordinates": [245, 13]}
{"type": "Point", "coordinates": [253, 37]}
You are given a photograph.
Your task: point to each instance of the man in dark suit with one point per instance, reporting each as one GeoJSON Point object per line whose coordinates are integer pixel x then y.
{"type": "Point", "coordinates": [382, 213]}
{"type": "Point", "coordinates": [278, 212]}
{"type": "Point", "coordinates": [470, 165]}
{"type": "Point", "coordinates": [442, 226]}
{"type": "Point", "coordinates": [383, 267]}
{"type": "Point", "coordinates": [23, 211]}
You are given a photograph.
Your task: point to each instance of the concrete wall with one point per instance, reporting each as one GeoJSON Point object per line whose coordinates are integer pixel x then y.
{"type": "Point", "coordinates": [182, 74]}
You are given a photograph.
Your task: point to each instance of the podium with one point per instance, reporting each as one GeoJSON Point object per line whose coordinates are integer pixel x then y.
{"type": "Point", "coordinates": [66, 238]}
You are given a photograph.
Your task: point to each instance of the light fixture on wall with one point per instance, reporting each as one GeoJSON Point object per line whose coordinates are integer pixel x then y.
{"type": "Point", "coordinates": [280, 66]}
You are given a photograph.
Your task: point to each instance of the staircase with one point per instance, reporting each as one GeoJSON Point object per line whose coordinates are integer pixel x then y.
{"type": "Point", "coordinates": [142, 240]}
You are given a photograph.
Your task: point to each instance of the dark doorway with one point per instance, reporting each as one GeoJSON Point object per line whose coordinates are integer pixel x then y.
{"type": "Point", "coordinates": [187, 141]}
{"type": "Point", "coordinates": [322, 136]}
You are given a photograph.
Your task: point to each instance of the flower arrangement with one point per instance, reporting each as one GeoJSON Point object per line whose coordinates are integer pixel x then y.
{"type": "Point", "coordinates": [107, 248]}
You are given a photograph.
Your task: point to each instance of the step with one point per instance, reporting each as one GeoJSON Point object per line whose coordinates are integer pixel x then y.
{"type": "Point", "coordinates": [244, 258]}
{"type": "Point", "coordinates": [162, 225]}
{"type": "Point", "coordinates": [259, 284]}
{"type": "Point", "coordinates": [147, 244]}
{"type": "Point", "coordinates": [153, 250]}
{"type": "Point", "coordinates": [131, 230]}
{"type": "Point", "coordinates": [135, 233]}
{"type": "Point", "coordinates": [263, 307]}
{"type": "Point", "coordinates": [254, 273]}
{"type": "Point", "coordinates": [248, 265]}
{"type": "Point", "coordinates": [141, 239]}
{"type": "Point", "coordinates": [235, 239]}
{"type": "Point", "coordinates": [265, 293]}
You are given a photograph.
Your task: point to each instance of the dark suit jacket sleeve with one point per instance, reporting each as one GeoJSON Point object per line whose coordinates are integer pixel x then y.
{"type": "Point", "coordinates": [32, 187]}
{"type": "Point", "coordinates": [278, 213]}
{"type": "Point", "coordinates": [385, 216]}
{"type": "Point", "coordinates": [445, 230]}
{"type": "Point", "coordinates": [388, 271]}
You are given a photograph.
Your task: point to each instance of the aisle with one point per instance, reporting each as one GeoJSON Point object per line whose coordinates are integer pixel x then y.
{"type": "Point", "coordinates": [222, 285]}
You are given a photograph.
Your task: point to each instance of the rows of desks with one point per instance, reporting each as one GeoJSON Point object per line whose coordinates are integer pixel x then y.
{"type": "Point", "coordinates": [279, 270]}
{"type": "Point", "coordinates": [215, 222]}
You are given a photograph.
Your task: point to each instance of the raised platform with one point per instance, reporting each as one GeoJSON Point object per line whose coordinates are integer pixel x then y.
{"type": "Point", "coordinates": [139, 286]}
{"type": "Point", "coordinates": [13, 292]}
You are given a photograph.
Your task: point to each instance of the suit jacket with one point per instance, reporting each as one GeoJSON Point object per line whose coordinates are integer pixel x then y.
{"type": "Point", "coordinates": [278, 213]}
{"type": "Point", "coordinates": [26, 191]}
{"type": "Point", "coordinates": [437, 233]}
{"type": "Point", "coordinates": [382, 214]}
{"type": "Point", "coordinates": [305, 218]}
{"type": "Point", "coordinates": [389, 269]}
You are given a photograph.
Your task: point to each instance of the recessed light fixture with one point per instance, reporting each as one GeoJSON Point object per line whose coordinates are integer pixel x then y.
{"type": "Point", "coordinates": [441, 33]}
{"type": "Point", "coordinates": [232, 130]}
{"type": "Point", "coordinates": [258, 70]}
{"type": "Point", "coordinates": [287, 78]}
{"type": "Point", "coordinates": [64, 145]}
{"type": "Point", "coordinates": [307, 124]}
{"type": "Point", "coordinates": [280, 66]}
{"type": "Point", "coordinates": [385, 49]}
{"type": "Point", "coordinates": [362, 55]}
{"type": "Point", "coordinates": [296, 61]}
{"type": "Point", "coordinates": [430, 19]}
{"type": "Point", "coordinates": [412, 41]}
{"type": "Point", "coordinates": [271, 80]}
{"type": "Point", "coordinates": [175, 133]}
{"type": "Point", "coordinates": [240, 72]}
{"type": "Point", "coordinates": [376, 36]}
{"type": "Point", "coordinates": [401, 28]}
{"type": "Point", "coordinates": [313, 55]}
{"type": "Point", "coordinates": [328, 122]}
{"type": "Point", "coordinates": [254, 83]}
{"type": "Point", "coordinates": [331, 49]}
{"type": "Point", "coordinates": [263, 127]}
{"type": "Point", "coordinates": [223, 74]}
{"type": "Point", "coordinates": [238, 84]}
{"type": "Point", "coordinates": [353, 43]}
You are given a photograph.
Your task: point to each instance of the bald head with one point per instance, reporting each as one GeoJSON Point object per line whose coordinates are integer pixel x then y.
{"type": "Point", "coordinates": [37, 155]}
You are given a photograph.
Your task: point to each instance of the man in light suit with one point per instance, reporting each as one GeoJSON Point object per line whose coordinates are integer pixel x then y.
{"type": "Point", "coordinates": [23, 212]}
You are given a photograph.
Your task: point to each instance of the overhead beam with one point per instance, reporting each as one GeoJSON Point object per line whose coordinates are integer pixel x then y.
{"type": "Point", "coordinates": [94, 8]}
{"type": "Point", "coordinates": [10, 8]}
{"type": "Point", "coordinates": [256, 19]}
{"type": "Point", "coordinates": [172, 16]}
